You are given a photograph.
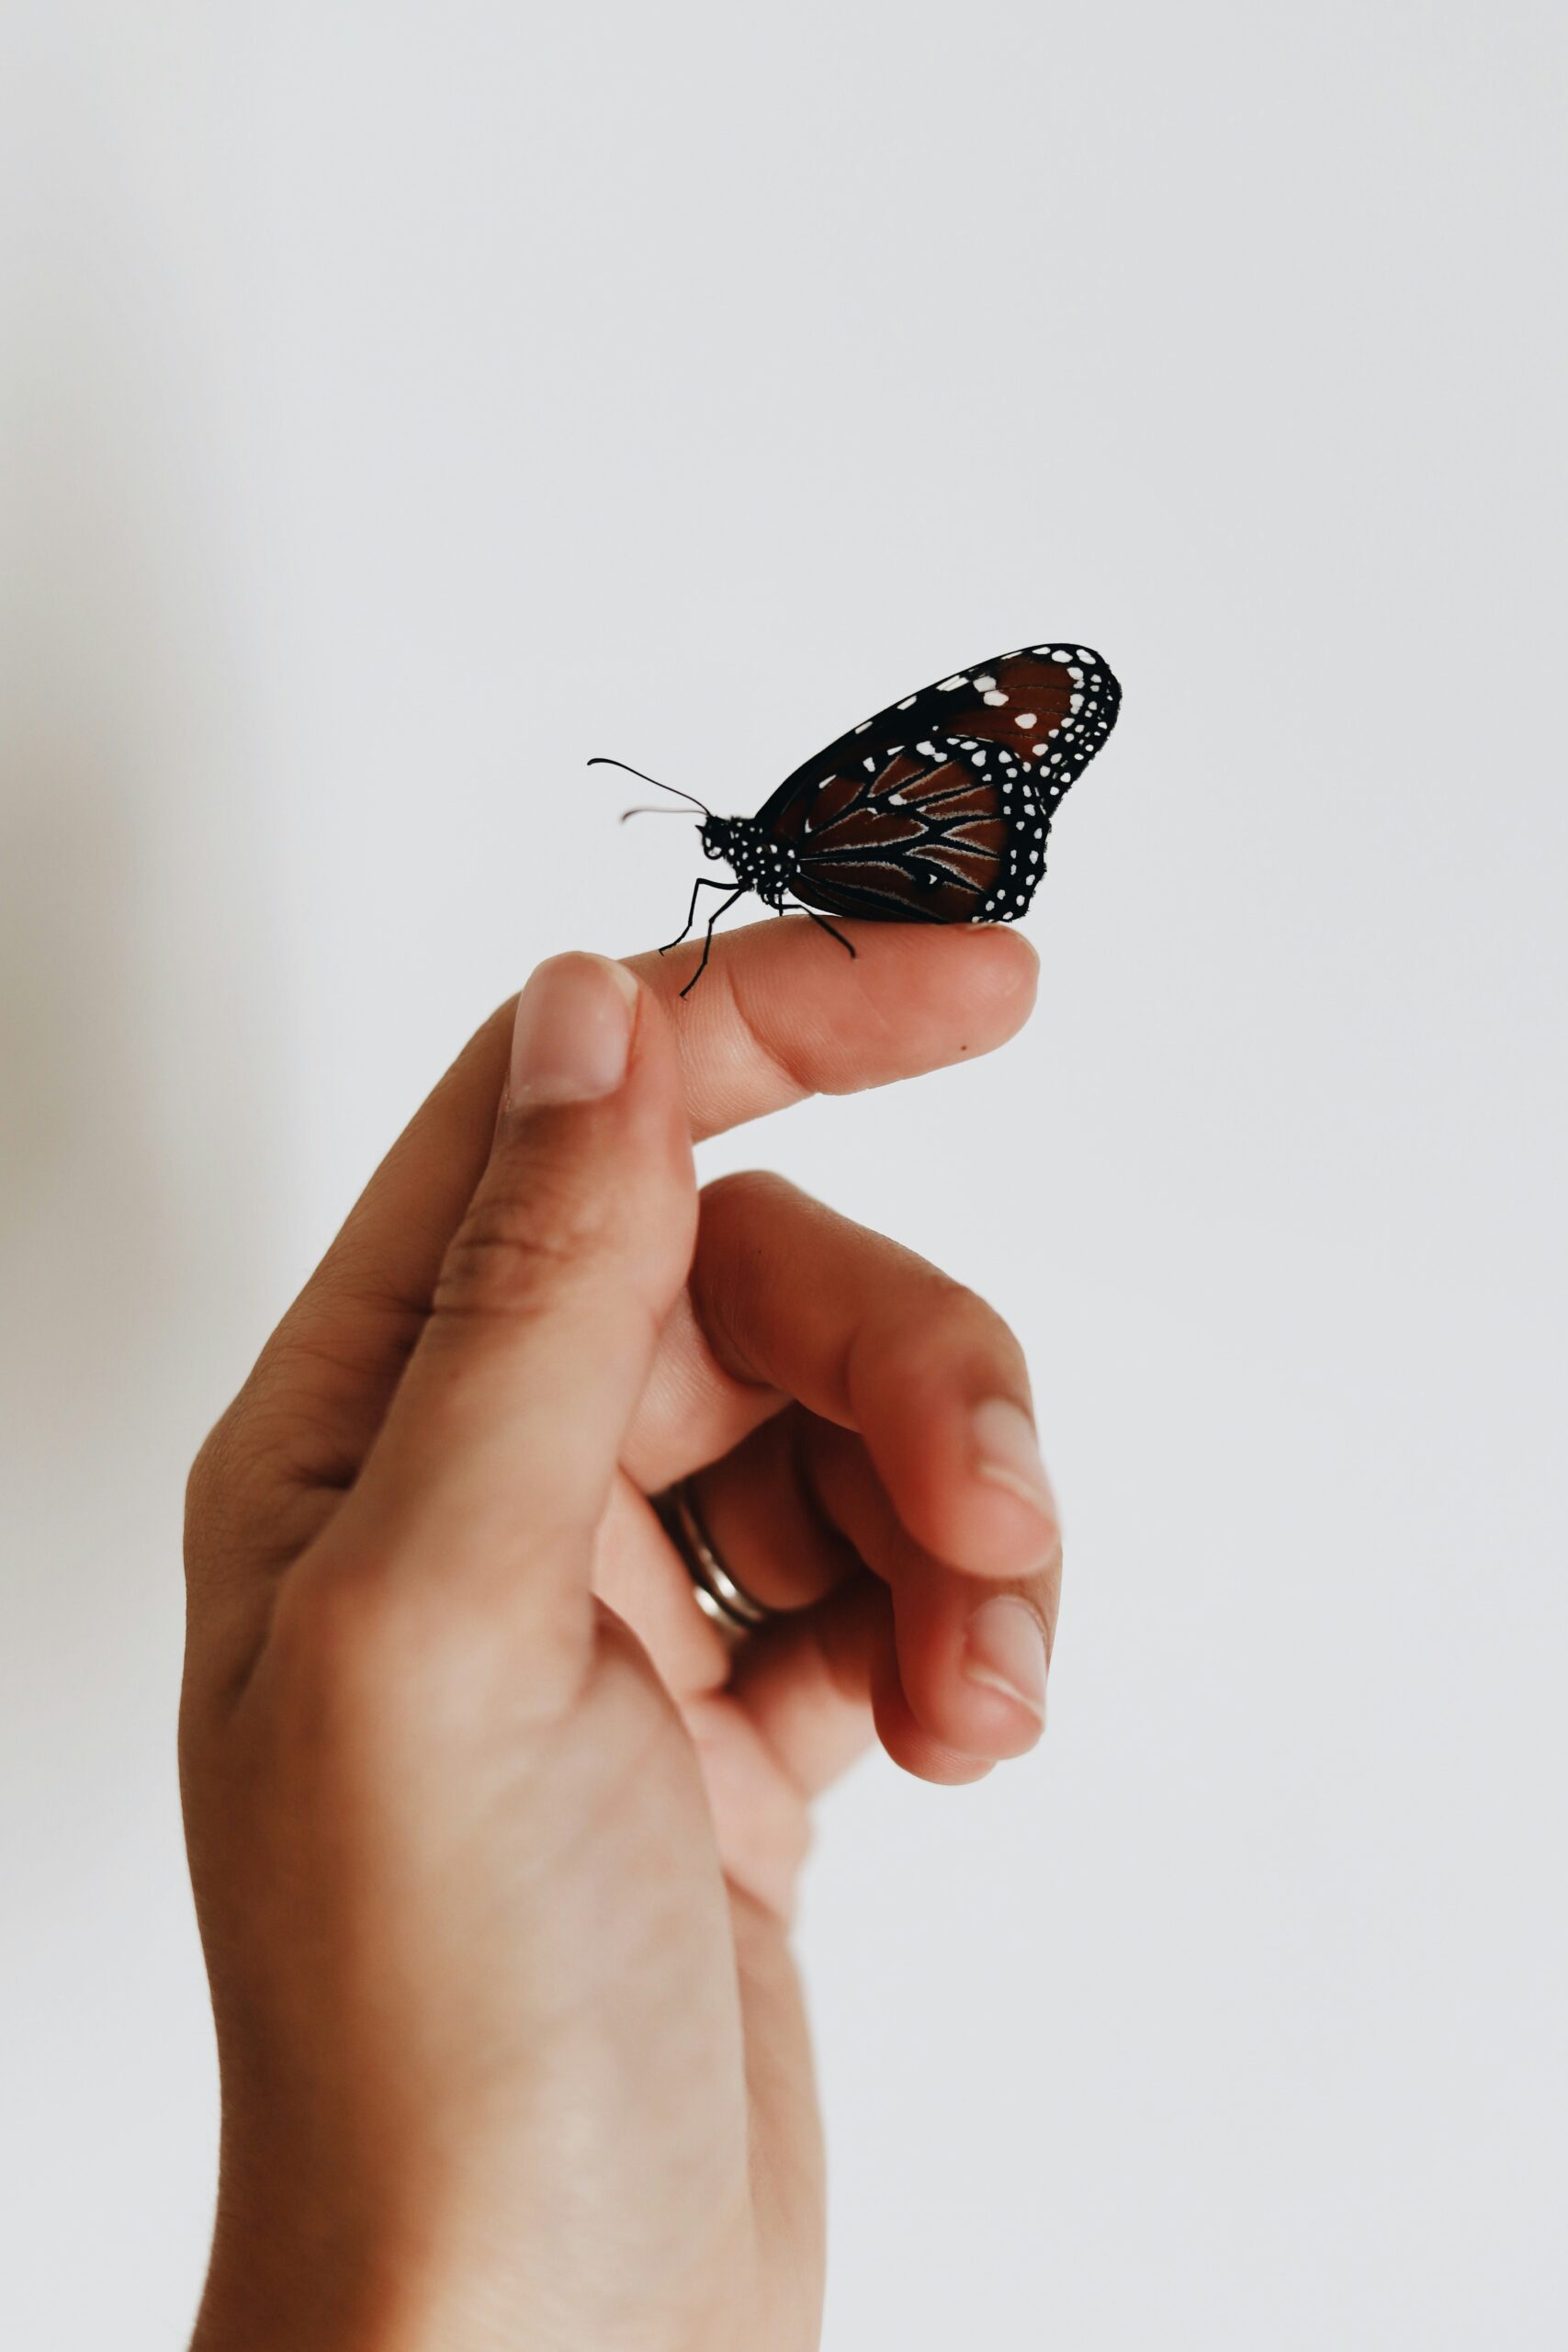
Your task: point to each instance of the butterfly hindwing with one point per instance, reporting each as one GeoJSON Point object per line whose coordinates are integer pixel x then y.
{"type": "Point", "coordinates": [937, 809]}
{"type": "Point", "coordinates": [914, 837]}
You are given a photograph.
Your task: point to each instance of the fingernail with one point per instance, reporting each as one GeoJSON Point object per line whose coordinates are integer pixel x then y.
{"type": "Point", "coordinates": [573, 1031]}
{"type": "Point", "coordinates": [1005, 1649]}
{"type": "Point", "coordinates": [1007, 1451]}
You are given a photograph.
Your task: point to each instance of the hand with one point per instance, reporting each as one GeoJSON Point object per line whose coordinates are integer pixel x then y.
{"type": "Point", "coordinates": [493, 1835]}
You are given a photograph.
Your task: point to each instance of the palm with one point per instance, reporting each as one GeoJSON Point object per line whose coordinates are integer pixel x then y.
{"type": "Point", "coordinates": [718, 2075]}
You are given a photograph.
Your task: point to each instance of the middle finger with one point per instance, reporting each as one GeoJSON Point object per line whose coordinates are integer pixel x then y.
{"type": "Point", "coordinates": [789, 1300]}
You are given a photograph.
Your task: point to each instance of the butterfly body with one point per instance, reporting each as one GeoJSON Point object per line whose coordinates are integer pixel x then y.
{"type": "Point", "coordinates": [936, 810]}
{"type": "Point", "coordinates": [756, 861]}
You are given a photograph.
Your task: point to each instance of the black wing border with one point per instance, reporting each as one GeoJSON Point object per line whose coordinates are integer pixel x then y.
{"type": "Point", "coordinates": [924, 708]}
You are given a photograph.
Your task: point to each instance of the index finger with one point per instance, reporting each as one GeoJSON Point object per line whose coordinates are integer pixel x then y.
{"type": "Point", "coordinates": [781, 1013]}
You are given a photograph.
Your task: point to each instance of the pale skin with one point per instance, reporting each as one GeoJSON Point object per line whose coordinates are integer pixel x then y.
{"type": "Point", "coordinates": [494, 1836]}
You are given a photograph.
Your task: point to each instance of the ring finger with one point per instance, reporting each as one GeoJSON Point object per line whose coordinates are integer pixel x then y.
{"type": "Point", "coordinates": [799, 1508]}
{"type": "Point", "coordinates": [909, 1450]}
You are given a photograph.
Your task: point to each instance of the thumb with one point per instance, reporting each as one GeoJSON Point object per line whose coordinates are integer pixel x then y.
{"type": "Point", "coordinates": [494, 1463]}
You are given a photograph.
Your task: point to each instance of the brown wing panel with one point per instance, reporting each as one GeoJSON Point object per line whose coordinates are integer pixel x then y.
{"type": "Point", "coordinates": [1022, 703]}
{"type": "Point", "coordinates": [919, 844]}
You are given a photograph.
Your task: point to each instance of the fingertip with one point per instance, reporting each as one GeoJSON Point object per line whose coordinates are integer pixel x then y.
{"type": "Point", "coordinates": [1010, 950]}
{"type": "Point", "coordinates": [957, 1507]}
{"type": "Point", "coordinates": [1024, 957]}
{"type": "Point", "coordinates": [914, 1749]}
{"type": "Point", "coordinates": [963, 995]}
{"type": "Point", "coordinates": [973, 1665]}
{"type": "Point", "coordinates": [1000, 964]}
{"type": "Point", "coordinates": [572, 1033]}
{"type": "Point", "coordinates": [939, 1398]}
{"type": "Point", "coordinates": [970, 1517]}
{"type": "Point", "coordinates": [1003, 1663]}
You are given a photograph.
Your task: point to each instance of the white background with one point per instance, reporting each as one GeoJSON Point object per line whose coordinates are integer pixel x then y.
{"type": "Point", "coordinates": [403, 402]}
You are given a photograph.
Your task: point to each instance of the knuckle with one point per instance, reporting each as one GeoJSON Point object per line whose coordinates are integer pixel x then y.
{"type": "Point", "coordinates": [955, 1321]}
{"type": "Point", "coordinates": [771, 1050]}
{"type": "Point", "coordinates": [332, 1631]}
{"type": "Point", "coordinates": [510, 1247]}
{"type": "Point", "coordinates": [364, 1647]}
{"type": "Point", "coordinates": [208, 1476]}
{"type": "Point", "coordinates": [968, 1314]}
{"type": "Point", "coordinates": [253, 1489]}
{"type": "Point", "coordinates": [749, 1231]}
{"type": "Point", "coordinates": [226, 1495]}
{"type": "Point", "coordinates": [225, 1457]}
{"type": "Point", "coordinates": [351, 1660]}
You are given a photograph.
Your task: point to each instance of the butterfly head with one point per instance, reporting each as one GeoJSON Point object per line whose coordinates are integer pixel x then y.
{"type": "Point", "coordinates": [758, 861]}
{"type": "Point", "coordinates": [716, 836]}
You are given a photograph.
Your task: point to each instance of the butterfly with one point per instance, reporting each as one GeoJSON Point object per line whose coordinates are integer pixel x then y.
{"type": "Point", "coordinates": [936, 810]}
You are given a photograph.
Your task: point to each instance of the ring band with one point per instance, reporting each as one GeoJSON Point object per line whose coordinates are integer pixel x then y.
{"type": "Point", "coordinates": [729, 1606]}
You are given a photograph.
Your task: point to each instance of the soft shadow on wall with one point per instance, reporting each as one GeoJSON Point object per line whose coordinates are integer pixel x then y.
{"type": "Point", "coordinates": [136, 1148]}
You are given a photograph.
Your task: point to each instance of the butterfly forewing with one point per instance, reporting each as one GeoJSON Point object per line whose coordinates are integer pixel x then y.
{"type": "Point", "coordinates": [937, 809]}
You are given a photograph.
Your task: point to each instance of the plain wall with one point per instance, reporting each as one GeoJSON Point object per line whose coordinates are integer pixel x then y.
{"type": "Point", "coordinates": [402, 404]}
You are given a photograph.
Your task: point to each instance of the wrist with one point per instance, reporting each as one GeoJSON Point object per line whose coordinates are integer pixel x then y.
{"type": "Point", "coordinates": [319, 2283]}
{"type": "Point", "coordinates": [255, 2309]}
{"type": "Point", "coordinates": [266, 2291]}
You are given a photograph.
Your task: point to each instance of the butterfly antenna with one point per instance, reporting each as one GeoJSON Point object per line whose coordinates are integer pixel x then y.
{"type": "Point", "coordinates": [599, 761]}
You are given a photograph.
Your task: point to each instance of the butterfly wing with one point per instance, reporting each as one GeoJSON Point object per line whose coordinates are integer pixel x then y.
{"type": "Point", "coordinates": [938, 809]}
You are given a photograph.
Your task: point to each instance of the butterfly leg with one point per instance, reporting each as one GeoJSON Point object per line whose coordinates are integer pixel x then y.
{"type": "Point", "coordinates": [738, 892]}
{"type": "Point", "coordinates": [823, 924]}
{"type": "Point", "coordinates": [703, 882]}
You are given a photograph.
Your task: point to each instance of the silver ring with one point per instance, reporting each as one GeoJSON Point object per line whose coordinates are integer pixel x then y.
{"type": "Point", "coordinates": [729, 1606]}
